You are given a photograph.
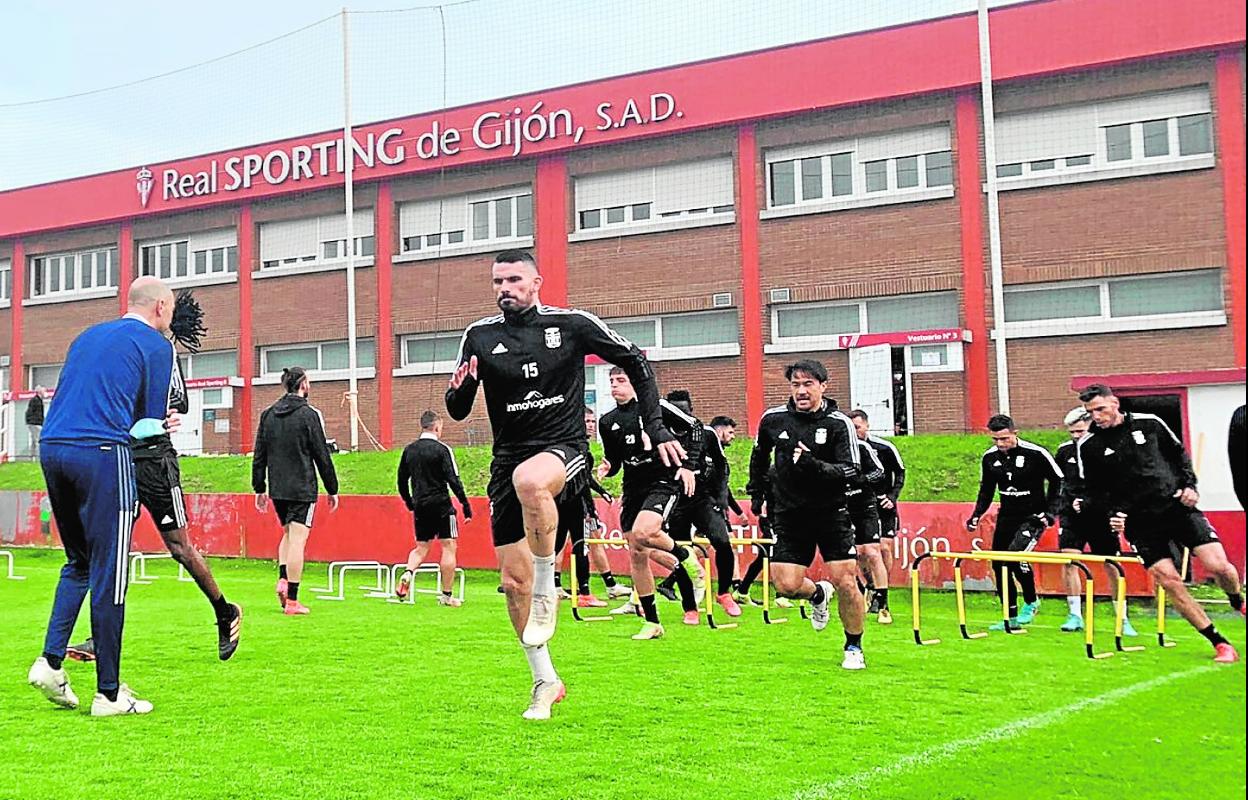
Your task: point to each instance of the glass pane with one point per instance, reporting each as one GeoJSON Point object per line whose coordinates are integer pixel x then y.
{"type": "Point", "coordinates": [1078, 161]}
{"type": "Point", "coordinates": [45, 375]}
{"type": "Point", "coordinates": [222, 364]}
{"type": "Point", "coordinates": [639, 332]}
{"type": "Point", "coordinates": [1156, 138]}
{"type": "Point", "coordinates": [329, 250]}
{"type": "Point", "coordinates": [939, 168]}
{"type": "Point", "coordinates": [1041, 166]}
{"type": "Point", "coordinates": [502, 217]}
{"type": "Point", "coordinates": [455, 237]}
{"type": "Point", "coordinates": [218, 259]}
{"type": "Point", "coordinates": [71, 273]}
{"type": "Point", "coordinates": [480, 220]}
{"type": "Point", "coordinates": [691, 330]}
{"type": "Point", "coordinates": [641, 211]}
{"type": "Point", "coordinates": [231, 259]}
{"type": "Point", "coordinates": [278, 360]}
{"type": "Point", "coordinates": [819, 321]}
{"type": "Point", "coordinates": [54, 285]}
{"type": "Point", "coordinates": [1009, 170]}
{"type": "Point", "coordinates": [842, 174]}
{"type": "Point", "coordinates": [929, 355]}
{"type": "Point", "coordinates": [201, 262]}
{"type": "Point", "coordinates": [166, 260]}
{"type": "Point", "coordinates": [106, 265]}
{"type": "Point", "coordinates": [147, 261]}
{"type": "Point", "coordinates": [428, 351]}
{"type": "Point", "coordinates": [1069, 303]}
{"type": "Point", "coordinates": [1118, 143]}
{"type": "Point", "coordinates": [365, 353]}
{"type": "Point", "coordinates": [366, 247]}
{"type": "Point", "coordinates": [86, 268]}
{"type": "Point", "coordinates": [591, 219]}
{"type": "Point", "coordinates": [615, 215]}
{"type": "Point", "coordinates": [412, 243]}
{"type": "Point", "coordinates": [812, 178]}
{"type": "Point", "coordinates": [1195, 135]}
{"type": "Point", "coordinates": [213, 397]}
{"type": "Point", "coordinates": [914, 313]}
{"type": "Point", "coordinates": [1173, 294]}
{"type": "Point", "coordinates": [783, 190]}
{"type": "Point", "coordinates": [180, 260]}
{"type": "Point", "coordinates": [877, 176]}
{"type": "Point", "coordinates": [908, 172]}
{"type": "Point", "coordinates": [334, 355]}
{"type": "Point", "coordinates": [524, 215]}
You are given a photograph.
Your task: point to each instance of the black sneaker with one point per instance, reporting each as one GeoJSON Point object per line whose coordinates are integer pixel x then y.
{"type": "Point", "coordinates": [81, 652]}
{"type": "Point", "coordinates": [874, 608]}
{"type": "Point", "coordinates": [228, 631]}
{"type": "Point", "coordinates": [667, 592]}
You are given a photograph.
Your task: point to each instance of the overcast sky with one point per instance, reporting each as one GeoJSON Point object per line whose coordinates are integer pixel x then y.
{"type": "Point", "coordinates": [294, 85]}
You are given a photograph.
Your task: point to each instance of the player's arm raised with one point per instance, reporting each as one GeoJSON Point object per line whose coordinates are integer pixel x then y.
{"type": "Point", "coordinates": [462, 390]}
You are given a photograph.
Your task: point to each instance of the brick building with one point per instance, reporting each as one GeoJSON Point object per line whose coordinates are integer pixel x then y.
{"type": "Point", "coordinates": [727, 221]}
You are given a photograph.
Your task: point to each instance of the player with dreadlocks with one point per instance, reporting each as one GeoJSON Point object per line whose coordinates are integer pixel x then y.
{"type": "Point", "coordinates": [159, 483]}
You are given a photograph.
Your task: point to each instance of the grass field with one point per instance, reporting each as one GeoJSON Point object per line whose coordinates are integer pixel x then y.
{"type": "Point", "coordinates": [365, 699]}
{"type": "Point", "coordinates": [939, 467]}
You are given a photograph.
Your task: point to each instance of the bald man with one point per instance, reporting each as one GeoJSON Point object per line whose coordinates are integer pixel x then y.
{"type": "Point", "coordinates": [114, 388]}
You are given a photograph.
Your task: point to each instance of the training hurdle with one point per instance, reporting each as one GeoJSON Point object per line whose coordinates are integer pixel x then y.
{"type": "Point", "coordinates": [11, 575]}
{"type": "Point", "coordinates": [381, 589]}
{"type": "Point", "coordinates": [576, 612]}
{"type": "Point", "coordinates": [422, 569]}
{"type": "Point", "coordinates": [1034, 557]}
{"type": "Point", "coordinates": [138, 566]}
{"type": "Point", "coordinates": [709, 598]}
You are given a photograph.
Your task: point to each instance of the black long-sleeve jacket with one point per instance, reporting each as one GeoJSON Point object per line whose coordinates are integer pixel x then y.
{"type": "Point", "coordinates": [817, 482]}
{"type": "Point", "coordinates": [624, 445]}
{"type": "Point", "coordinates": [426, 468]}
{"type": "Point", "coordinates": [291, 449]}
{"type": "Point", "coordinates": [894, 478]}
{"type": "Point", "coordinates": [1067, 458]}
{"type": "Point", "coordinates": [1235, 451]}
{"type": "Point", "coordinates": [532, 364]}
{"type": "Point", "coordinates": [1027, 477]}
{"type": "Point", "coordinates": [860, 491]}
{"type": "Point", "coordinates": [713, 479]}
{"type": "Point", "coordinates": [1135, 466]}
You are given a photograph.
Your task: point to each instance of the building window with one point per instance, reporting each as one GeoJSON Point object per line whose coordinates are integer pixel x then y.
{"type": "Point", "coordinates": [1144, 302]}
{"type": "Point", "coordinates": [1147, 133]}
{"type": "Point", "coordinates": [817, 325]}
{"type": "Point", "coordinates": [316, 357]}
{"type": "Point", "coordinates": [498, 218]}
{"type": "Point", "coordinates": [45, 375]}
{"type": "Point", "coordinates": [6, 279]}
{"type": "Point", "coordinates": [647, 198]}
{"type": "Point", "coordinates": [429, 353]}
{"type": "Point", "coordinates": [203, 255]}
{"type": "Point", "coordinates": [214, 364]}
{"type": "Point", "coordinates": [676, 336]}
{"type": "Point", "coordinates": [888, 165]}
{"type": "Point", "coordinates": [69, 274]}
{"type": "Point", "coordinates": [313, 241]}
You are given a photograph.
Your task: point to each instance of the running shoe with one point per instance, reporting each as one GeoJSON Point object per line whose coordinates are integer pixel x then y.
{"type": "Point", "coordinates": [589, 601]}
{"type": "Point", "coordinates": [617, 591]}
{"type": "Point", "coordinates": [691, 618]}
{"type": "Point", "coordinates": [1000, 626]}
{"type": "Point", "coordinates": [282, 590]}
{"type": "Point", "coordinates": [54, 683]}
{"type": "Point", "coordinates": [885, 617]}
{"type": "Point", "coordinates": [1073, 623]}
{"type": "Point", "coordinates": [448, 600]}
{"type": "Point", "coordinates": [729, 605]}
{"type": "Point", "coordinates": [1027, 615]}
{"type": "Point", "coordinates": [228, 631]}
{"type": "Point", "coordinates": [1127, 628]}
{"type": "Point", "coordinates": [296, 609]}
{"type": "Point", "coordinates": [82, 652]}
{"type": "Point", "coordinates": [628, 608]}
{"type": "Point", "coordinates": [694, 568]}
{"type": "Point", "coordinates": [1222, 653]}
{"type": "Point", "coordinates": [126, 703]}
{"type": "Point", "coordinates": [545, 695]}
{"type": "Point", "coordinates": [783, 602]}
{"type": "Point", "coordinates": [404, 586]}
{"type": "Point", "coordinates": [819, 611]}
{"type": "Point", "coordinates": [666, 592]}
{"type": "Point", "coordinates": [540, 627]}
{"type": "Point", "coordinates": [649, 630]}
{"type": "Point", "coordinates": [854, 659]}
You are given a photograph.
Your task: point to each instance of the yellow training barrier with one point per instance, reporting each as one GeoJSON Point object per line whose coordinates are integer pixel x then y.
{"type": "Point", "coordinates": [703, 543]}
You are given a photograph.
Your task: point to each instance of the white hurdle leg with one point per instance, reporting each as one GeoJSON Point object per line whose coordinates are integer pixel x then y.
{"type": "Point", "coordinates": [346, 566]}
{"type": "Point", "coordinates": [9, 555]}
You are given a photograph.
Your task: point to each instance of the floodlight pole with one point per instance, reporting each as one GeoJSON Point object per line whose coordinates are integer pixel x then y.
{"type": "Point", "coordinates": [994, 212]}
{"type": "Point", "coordinates": [348, 161]}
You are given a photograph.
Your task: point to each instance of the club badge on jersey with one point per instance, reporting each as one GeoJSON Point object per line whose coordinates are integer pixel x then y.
{"type": "Point", "coordinates": [821, 435]}
{"type": "Point", "coordinates": [553, 338]}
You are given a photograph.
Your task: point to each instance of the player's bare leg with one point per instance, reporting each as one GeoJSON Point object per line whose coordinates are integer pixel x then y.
{"type": "Point", "coordinates": [446, 571]}
{"type": "Point", "coordinates": [229, 615]}
{"type": "Point", "coordinates": [851, 609]}
{"type": "Point", "coordinates": [296, 539]}
{"type": "Point", "coordinates": [1167, 576]}
{"type": "Point", "coordinates": [515, 565]}
{"type": "Point", "coordinates": [537, 482]}
{"type": "Point", "coordinates": [417, 555]}
{"type": "Point", "coordinates": [646, 528]}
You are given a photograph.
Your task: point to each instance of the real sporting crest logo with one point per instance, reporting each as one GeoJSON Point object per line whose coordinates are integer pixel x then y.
{"type": "Point", "coordinates": [143, 183]}
{"type": "Point", "coordinates": [553, 338]}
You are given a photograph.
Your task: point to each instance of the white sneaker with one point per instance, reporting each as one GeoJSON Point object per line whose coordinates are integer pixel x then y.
{"type": "Point", "coordinates": [854, 659]}
{"type": "Point", "coordinates": [563, 593]}
{"type": "Point", "coordinates": [545, 695]}
{"type": "Point", "coordinates": [619, 590]}
{"type": "Point", "coordinates": [783, 602]}
{"type": "Point", "coordinates": [540, 628]}
{"type": "Point", "coordinates": [54, 683]}
{"type": "Point", "coordinates": [819, 612]}
{"type": "Point", "coordinates": [694, 568]}
{"type": "Point", "coordinates": [627, 608]}
{"type": "Point", "coordinates": [453, 602]}
{"type": "Point", "coordinates": [126, 703]}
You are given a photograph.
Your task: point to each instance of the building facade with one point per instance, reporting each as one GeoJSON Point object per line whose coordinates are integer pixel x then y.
{"type": "Point", "coordinates": [726, 221]}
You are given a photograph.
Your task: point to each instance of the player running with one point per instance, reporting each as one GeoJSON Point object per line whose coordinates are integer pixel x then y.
{"type": "Point", "coordinates": [531, 361]}
{"type": "Point", "coordinates": [1021, 471]}
{"type": "Point", "coordinates": [1083, 525]}
{"type": "Point", "coordinates": [291, 449]}
{"type": "Point", "coordinates": [887, 490]}
{"type": "Point", "coordinates": [816, 460]}
{"type": "Point", "coordinates": [864, 515]}
{"type": "Point", "coordinates": [1135, 468]}
{"type": "Point", "coordinates": [426, 469]}
{"type": "Point", "coordinates": [652, 489]}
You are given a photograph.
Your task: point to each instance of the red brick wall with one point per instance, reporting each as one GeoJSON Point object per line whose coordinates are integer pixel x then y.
{"type": "Point", "coordinates": [48, 330]}
{"type": "Point", "coordinates": [939, 402]}
{"type": "Point", "coordinates": [714, 383]}
{"type": "Point", "coordinates": [327, 396]}
{"type": "Point", "coordinates": [413, 395]}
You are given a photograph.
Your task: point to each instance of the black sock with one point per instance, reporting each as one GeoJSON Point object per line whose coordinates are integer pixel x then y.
{"type": "Point", "coordinates": [736, 585]}
{"type": "Point", "coordinates": [670, 580]}
{"type": "Point", "coordinates": [882, 594]}
{"type": "Point", "coordinates": [292, 590]}
{"type": "Point", "coordinates": [853, 640]}
{"type": "Point", "coordinates": [688, 601]}
{"type": "Point", "coordinates": [648, 608]}
{"type": "Point", "coordinates": [446, 593]}
{"type": "Point", "coordinates": [1237, 601]}
{"type": "Point", "coordinates": [1211, 633]}
{"type": "Point", "coordinates": [608, 580]}
{"type": "Point", "coordinates": [818, 596]}
{"type": "Point", "coordinates": [862, 587]}
{"type": "Point", "coordinates": [281, 571]}
{"type": "Point", "coordinates": [111, 694]}
{"type": "Point", "coordinates": [558, 580]}
{"type": "Point", "coordinates": [54, 662]}
{"type": "Point", "coordinates": [224, 610]}
{"type": "Point", "coordinates": [680, 551]}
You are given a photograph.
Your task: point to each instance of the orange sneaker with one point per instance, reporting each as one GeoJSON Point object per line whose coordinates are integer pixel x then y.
{"type": "Point", "coordinates": [404, 585]}
{"type": "Point", "coordinates": [589, 601]}
{"type": "Point", "coordinates": [281, 592]}
{"type": "Point", "coordinates": [691, 618]}
{"type": "Point", "coordinates": [294, 608]}
{"type": "Point", "coordinates": [1225, 654]}
{"type": "Point", "coordinates": [729, 605]}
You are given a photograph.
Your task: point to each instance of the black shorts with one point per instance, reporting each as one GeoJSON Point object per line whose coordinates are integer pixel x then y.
{"type": "Point", "coordinates": [866, 522]}
{"type": "Point", "coordinates": [889, 523]}
{"type": "Point", "coordinates": [700, 514]}
{"type": "Point", "coordinates": [799, 534]}
{"type": "Point", "coordinates": [294, 511]}
{"type": "Point", "coordinates": [506, 515]}
{"type": "Point", "coordinates": [1089, 531]}
{"type": "Point", "coordinates": [1152, 534]}
{"type": "Point", "coordinates": [159, 481]}
{"type": "Point", "coordinates": [435, 522]}
{"type": "Point", "coordinates": [1017, 533]}
{"type": "Point", "coordinates": [660, 498]}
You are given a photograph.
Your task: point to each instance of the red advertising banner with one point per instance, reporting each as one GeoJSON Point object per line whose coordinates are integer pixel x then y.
{"type": "Point", "coordinates": [900, 338]}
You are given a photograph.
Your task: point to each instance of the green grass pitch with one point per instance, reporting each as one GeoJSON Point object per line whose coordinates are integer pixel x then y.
{"type": "Point", "coordinates": [365, 699]}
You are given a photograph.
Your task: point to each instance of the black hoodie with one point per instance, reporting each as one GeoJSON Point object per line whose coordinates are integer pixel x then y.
{"type": "Point", "coordinates": [817, 482]}
{"type": "Point", "coordinates": [290, 449]}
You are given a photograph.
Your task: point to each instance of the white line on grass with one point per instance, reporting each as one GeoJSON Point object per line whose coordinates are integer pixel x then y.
{"type": "Point", "coordinates": [925, 758]}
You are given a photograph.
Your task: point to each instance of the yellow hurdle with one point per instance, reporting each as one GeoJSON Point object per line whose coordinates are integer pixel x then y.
{"type": "Point", "coordinates": [958, 591]}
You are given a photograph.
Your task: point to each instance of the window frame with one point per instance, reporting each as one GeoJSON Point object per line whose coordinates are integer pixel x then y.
{"type": "Point", "coordinates": [655, 221]}
{"type": "Point", "coordinates": [42, 261]}
{"type": "Point", "coordinates": [208, 277]}
{"type": "Point", "coordinates": [268, 376]}
{"type": "Point", "coordinates": [315, 262]}
{"type": "Point", "coordinates": [407, 367]}
{"type": "Point", "coordinates": [659, 352]}
{"type": "Point", "coordinates": [467, 244]}
{"type": "Point", "coordinates": [6, 282]}
{"type": "Point", "coordinates": [826, 341]}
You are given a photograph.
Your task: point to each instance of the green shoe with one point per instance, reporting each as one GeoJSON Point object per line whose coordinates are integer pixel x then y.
{"type": "Point", "coordinates": [1028, 613]}
{"type": "Point", "coordinates": [1000, 626]}
{"type": "Point", "coordinates": [1128, 629]}
{"type": "Point", "coordinates": [1073, 623]}
{"type": "Point", "coordinates": [691, 565]}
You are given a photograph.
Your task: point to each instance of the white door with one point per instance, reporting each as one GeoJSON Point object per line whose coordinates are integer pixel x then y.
{"type": "Point", "coordinates": [188, 439]}
{"type": "Point", "coordinates": [871, 385]}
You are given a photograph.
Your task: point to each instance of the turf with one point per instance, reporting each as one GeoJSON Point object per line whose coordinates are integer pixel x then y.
{"type": "Point", "coordinates": [365, 699]}
{"type": "Point", "coordinates": [939, 467]}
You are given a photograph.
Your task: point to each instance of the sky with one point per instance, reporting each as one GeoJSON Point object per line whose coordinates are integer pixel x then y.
{"type": "Point", "coordinates": [400, 64]}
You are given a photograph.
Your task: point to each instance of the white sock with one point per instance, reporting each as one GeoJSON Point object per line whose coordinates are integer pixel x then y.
{"type": "Point", "coordinates": [540, 664]}
{"type": "Point", "coordinates": [544, 574]}
{"type": "Point", "coordinates": [1075, 603]}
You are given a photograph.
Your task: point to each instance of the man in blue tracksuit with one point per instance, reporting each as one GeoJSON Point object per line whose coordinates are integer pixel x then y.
{"type": "Point", "coordinates": [114, 386]}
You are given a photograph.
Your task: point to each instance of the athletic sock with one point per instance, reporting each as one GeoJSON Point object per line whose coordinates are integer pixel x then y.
{"type": "Point", "coordinates": [608, 580]}
{"type": "Point", "coordinates": [1236, 600]}
{"type": "Point", "coordinates": [224, 610]}
{"type": "Point", "coordinates": [543, 574]}
{"type": "Point", "coordinates": [684, 585]}
{"type": "Point", "coordinates": [539, 663]}
{"type": "Point", "coordinates": [111, 694]}
{"type": "Point", "coordinates": [818, 597]}
{"type": "Point", "coordinates": [281, 571]}
{"type": "Point", "coordinates": [680, 551]}
{"type": "Point", "coordinates": [446, 593]}
{"type": "Point", "coordinates": [882, 594]}
{"type": "Point", "coordinates": [853, 640]}
{"type": "Point", "coordinates": [54, 662]}
{"type": "Point", "coordinates": [292, 590]}
{"type": "Point", "coordinates": [1075, 603]}
{"type": "Point", "coordinates": [670, 580]}
{"type": "Point", "coordinates": [862, 587]}
{"type": "Point", "coordinates": [648, 609]}
{"type": "Point", "coordinates": [1211, 633]}
{"type": "Point", "coordinates": [558, 580]}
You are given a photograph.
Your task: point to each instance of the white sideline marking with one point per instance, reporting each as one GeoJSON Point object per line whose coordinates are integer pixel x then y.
{"type": "Point", "coordinates": [925, 758]}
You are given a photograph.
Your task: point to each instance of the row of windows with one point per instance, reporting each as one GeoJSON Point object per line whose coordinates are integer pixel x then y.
{"type": "Point", "coordinates": [73, 273]}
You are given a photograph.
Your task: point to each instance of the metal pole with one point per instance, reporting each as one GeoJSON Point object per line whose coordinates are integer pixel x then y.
{"type": "Point", "coordinates": [348, 160]}
{"type": "Point", "coordinates": [994, 211]}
